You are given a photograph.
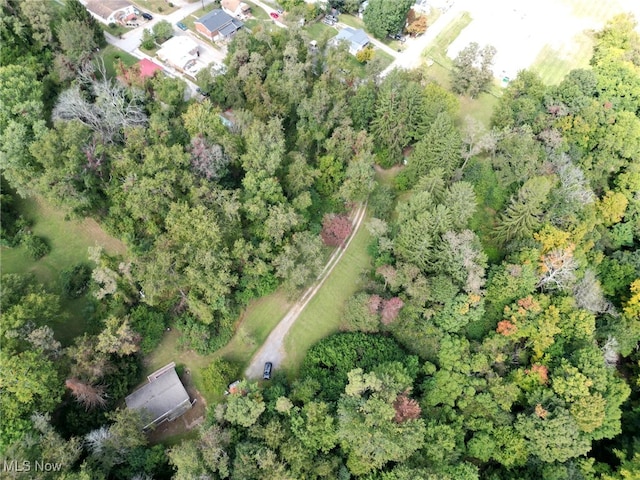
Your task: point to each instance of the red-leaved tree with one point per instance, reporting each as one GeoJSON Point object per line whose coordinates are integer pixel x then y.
{"type": "Point", "coordinates": [406, 408]}
{"type": "Point", "coordinates": [391, 309]}
{"type": "Point", "coordinates": [374, 304]}
{"type": "Point", "coordinates": [335, 229]}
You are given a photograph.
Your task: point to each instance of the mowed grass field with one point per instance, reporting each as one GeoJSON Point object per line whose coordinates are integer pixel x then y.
{"type": "Point", "coordinates": [254, 326]}
{"type": "Point", "coordinates": [323, 314]}
{"type": "Point", "coordinates": [69, 241]}
{"type": "Point", "coordinates": [112, 55]}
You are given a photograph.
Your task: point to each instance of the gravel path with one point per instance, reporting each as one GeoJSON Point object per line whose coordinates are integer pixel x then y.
{"type": "Point", "coordinates": [273, 348]}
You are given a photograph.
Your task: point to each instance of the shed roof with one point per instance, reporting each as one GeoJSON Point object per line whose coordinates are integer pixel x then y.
{"type": "Point", "coordinates": [104, 8]}
{"type": "Point", "coordinates": [160, 396]}
{"type": "Point", "coordinates": [148, 68]}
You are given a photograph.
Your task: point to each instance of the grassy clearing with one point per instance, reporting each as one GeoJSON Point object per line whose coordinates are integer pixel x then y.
{"type": "Point", "coordinates": [439, 65]}
{"type": "Point", "coordinates": [554, 64]}
{"type": "Point", "coordinates": [69, 241]}
{"type": "Point", "coordinates": [480, 108]}
{"type": "Point", "coordinates": [351, 20]}
{"type": "Point", "coordinates": [115, 30]}
{"type": "Point", "coordinates": [253, 327]}
{"type": "Point", "coordinates": [319, 31]}
{"type": "Point", "coordinates": [437, 51]}
{"type": "Point", "coordinates": [323, 314]}
{"type": "Point", "coordinates": [112, 55]}
{"type": "Point", "coordinates": [159, 6]}
{"type": "Point", "coordinates": [257, 12]}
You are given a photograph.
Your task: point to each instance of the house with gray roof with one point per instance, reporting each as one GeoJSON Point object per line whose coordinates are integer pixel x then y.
{"type": "Point", "coordinates": [356, 39]}
{"type": "Point", "coordinates": [163, 399]}
{"type": "Point", "coordinates": [218, 25]}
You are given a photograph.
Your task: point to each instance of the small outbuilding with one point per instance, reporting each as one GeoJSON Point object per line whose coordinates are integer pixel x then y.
{"type": "Point", "coordinates": [163, 399]}
{"type": "Point", "coordinates": [147, 68]}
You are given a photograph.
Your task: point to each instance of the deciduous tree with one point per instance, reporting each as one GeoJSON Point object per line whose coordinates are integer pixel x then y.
{"type": "Point", "coordinates": [384, 17]}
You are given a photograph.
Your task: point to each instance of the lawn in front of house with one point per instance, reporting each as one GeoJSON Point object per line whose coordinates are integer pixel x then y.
{"type": "Point", "coordinates": [115, 29]}
{"type": "Point", "coordinates": [164, 7]}
{"type": "Point", "coordinates": [69, 241]}
{"type": "Point", "coordinates": [323, 314]}
{"type": "Point", "coordinates": [111, 55]}
{"type": "Point", "coordinates": [319, 31]}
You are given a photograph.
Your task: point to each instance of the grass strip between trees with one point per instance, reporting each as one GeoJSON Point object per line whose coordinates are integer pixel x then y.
{"type": "Point", "coordinates": [69, 241]}
{"type": "Point", "coordinates": [323, 314]}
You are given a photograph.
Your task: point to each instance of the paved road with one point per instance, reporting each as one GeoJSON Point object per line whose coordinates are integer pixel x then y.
{"type": "Point", "coordinates": [272, 350]}
{"type": "Point", "coordinates": [411, 56]}
{"type": "Point", "coordinates": [130, 41]}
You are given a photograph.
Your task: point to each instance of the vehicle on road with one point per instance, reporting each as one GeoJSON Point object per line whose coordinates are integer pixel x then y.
{"type": "Point", "coordinates": [267, 370]}
{"type": "Point", "coordinates": [202, 92]}
{"type": "Point", "coordinates": [274, 15]}
{"type": "Point", "coordinates": [147, 16]}
{"type": "Point", "coordinates": [181, 26]}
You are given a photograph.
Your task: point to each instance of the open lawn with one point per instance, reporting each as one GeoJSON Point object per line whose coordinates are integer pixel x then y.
{"type": "Point", "coordinates": [550, 36]}
{"type": "Point", "coordinates": [114, 29]}
{"type": "Point", "coordinates": [112, 55]}
{"type": "Point", "coordinates": [254, 326]}
{"type": "Point", "coordinates": [319, 31]}
{"type": "Point", "coordinates": [323, 314]}
{"type": "Point", "coordinates": [437, 50]}
{"type": "Point", "coordinates": [553, 64]}
{"type": "Point", "coordinates": [69, 241]}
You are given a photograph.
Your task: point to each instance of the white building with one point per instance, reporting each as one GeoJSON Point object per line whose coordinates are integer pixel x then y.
{"type": "Point", "coordinates": [181, 53]}
{"type": "Point", "coordinates": [112, 11]}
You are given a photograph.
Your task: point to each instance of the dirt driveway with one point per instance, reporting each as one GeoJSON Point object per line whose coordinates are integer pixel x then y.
{"type": "Point", "coordinates": [273, 348]}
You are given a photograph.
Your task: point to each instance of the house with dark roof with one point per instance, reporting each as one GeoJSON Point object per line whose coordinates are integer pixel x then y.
{"type": "Point", "coordinates": [163, 399]}
{"type": "Point", "coordinates": [218, 25]}
{"type": "Point", "coordinates": [355, 39]}
{"type": "Point", "coordinates": [112, 11]}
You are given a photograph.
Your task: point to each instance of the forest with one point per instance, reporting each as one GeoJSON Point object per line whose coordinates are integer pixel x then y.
{"type": "Point", "coordinates": [494, 337]}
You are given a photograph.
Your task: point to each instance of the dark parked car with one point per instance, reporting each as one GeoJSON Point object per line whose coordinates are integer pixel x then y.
{"type": "Point", "coordinates": [267, 370]}
{"type": "Point", "coordinates": [181, 26]}
{"type": "Point", "coordinates": [147, 16]}
{"type": "Point", "coordinates": [202, 92]}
